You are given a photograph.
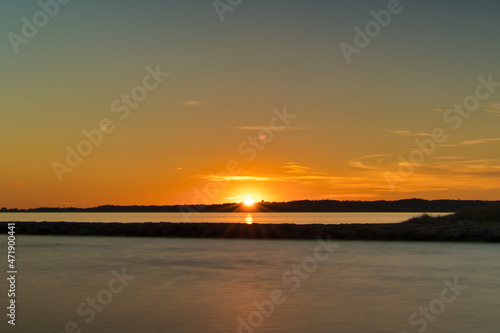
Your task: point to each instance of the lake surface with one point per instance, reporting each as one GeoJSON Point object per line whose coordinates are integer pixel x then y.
{"type": "Point", "coordinates": [298, 218]}
{"type": "Point", "coordinates": [217, 285]}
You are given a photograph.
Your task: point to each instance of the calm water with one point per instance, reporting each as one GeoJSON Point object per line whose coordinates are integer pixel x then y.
{"type": "Point", "coordinates": [298, 218]}
{"type": "Point", "coordinates": [205, 285]}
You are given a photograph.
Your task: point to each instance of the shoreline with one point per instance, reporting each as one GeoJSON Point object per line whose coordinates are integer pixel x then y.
{"type": "Point", "coordinates": [424, 228]}
{"type": "Point", "coordinates": [297, 206]}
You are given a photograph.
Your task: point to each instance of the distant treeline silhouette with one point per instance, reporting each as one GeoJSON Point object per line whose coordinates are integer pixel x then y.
{"type": "Point", "coordinates": [405, 205]}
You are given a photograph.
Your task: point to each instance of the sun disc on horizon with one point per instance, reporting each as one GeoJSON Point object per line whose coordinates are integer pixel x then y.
{"type": "Point", "coordinates": [249, 201]}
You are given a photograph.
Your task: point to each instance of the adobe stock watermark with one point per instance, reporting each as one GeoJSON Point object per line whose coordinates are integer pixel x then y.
{"type": "Point", "coordinates": [373, 28]}
{"type": "Point", "coordinates": [222, 7]}
{"type": "Point", "coordinates": [453, 116]}
{"type": "Point", "coordinates": [121, 106]}
{"type": "Point", "coordinates": [249, 148]}
{"type": "Point", "coordinates": [30, 28]}
{"type": "Point", "coordinates": [436, 307]}
{"type": "Point", "coordinates": [102, 299]}
{"type": "Point", "coordinates": [292, 279]}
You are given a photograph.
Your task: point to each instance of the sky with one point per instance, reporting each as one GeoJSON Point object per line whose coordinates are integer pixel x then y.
{"type": "Point", "coordinates": [180, 102]}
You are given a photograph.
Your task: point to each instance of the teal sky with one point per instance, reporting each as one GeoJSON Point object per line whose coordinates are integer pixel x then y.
{"type": "Point", "coordinates": [353, 120]}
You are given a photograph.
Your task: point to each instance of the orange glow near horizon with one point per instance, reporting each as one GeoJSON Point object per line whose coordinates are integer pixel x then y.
{"type": "Point", "coordinates": [249, 202]}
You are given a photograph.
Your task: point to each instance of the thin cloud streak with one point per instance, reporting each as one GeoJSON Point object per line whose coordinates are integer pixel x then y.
{"type": "Point", "coordinates": [409, 133]}
{"type": "Point", "coordinates": [193, 103]}
{"type": "Point", "coordinates": [471, 142]}
{"type": "Point", "coordinates": [493, 109]}
{"type": "Point", "coordinates": [257, 128]}
{"type": "Point", "coordinates": [293, 167]}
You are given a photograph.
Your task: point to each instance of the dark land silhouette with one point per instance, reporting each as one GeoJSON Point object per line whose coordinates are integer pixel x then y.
{"type": "Point", "coordinates": [405, 205]}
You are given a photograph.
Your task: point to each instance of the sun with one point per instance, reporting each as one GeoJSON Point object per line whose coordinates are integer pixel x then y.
{"type": "Point", "coordinates": [249, 201]}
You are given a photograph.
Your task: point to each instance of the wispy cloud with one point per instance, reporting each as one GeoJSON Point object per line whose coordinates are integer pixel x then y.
{"type": "Point", "coordinates": [494, 109]}
{"type": "Point", "coordinates": [444, 173]}
{"type": "Point", "coordinates": [368, 178]}
{"type": "Point", "coordinates": [16, 182]}
{"type": "Point", "coordinates": [360, 163]}
{"type": "Point", "coordinates": [275, 178]}
{"type": "Point", "coordinates": [321, 112]}
{"type": "Point", "coordinates": [293, 167]}
{"type": "Point", "coordinates": [364, 177]}
{"type": "Point", "coordinates": [409, 133]}
{"type": "Point", "coordinates": [251, 128]}
{"type": "Point", "coordinates": [472, 142]}
{"type": "Point", "coordinates": [449, 157]}
{"type": "Point", "coordinates": [471, 173]}
{"type": "Point", "coordinates": [305, 176]}
{"type": "Point", "coordinates": [258, 128]}
{"type": "Point", "coordinates": [454, 174]}
{"type": "Point", "coordinates": [371, 156]}
{"type": "Point", "coordinates": [193, 103]}
{"type": "Point", "coordinates": [222, 178]}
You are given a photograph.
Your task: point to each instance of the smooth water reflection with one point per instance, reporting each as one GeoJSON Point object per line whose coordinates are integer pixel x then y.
{"type": "Point", "coordinates": [205, 285]}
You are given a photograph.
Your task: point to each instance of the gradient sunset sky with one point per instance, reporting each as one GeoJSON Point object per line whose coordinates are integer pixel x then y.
{"type": "Point", "coordinates": [354, 125]}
